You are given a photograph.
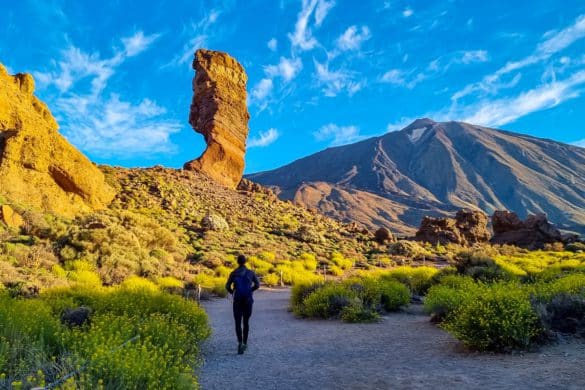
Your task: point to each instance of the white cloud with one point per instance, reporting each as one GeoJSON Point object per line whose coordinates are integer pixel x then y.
{"type": "Point", "coordinates": [474, 56]}
{"type": "Point", "coordinates": [339, 135]}
{"type": "Point", "coordinates": [579, 143]}
{"type": "Point", "coordinates": [334, 82]}
{"type": "Point", "coordinates": [272, 44]}
{"type": "Point", "coordinates": [287, 68]}
{"type": "Point", "coordinates": [408, 12]}
{"type": "Point", "coordinates": [552, 43]}
{"type": "Point", "coordinates": [501, 111]}
{"type": "Point", "coordinates": [199, 33]}
{"type": "Point", "coordinates": [113, 127]}
{"type": "Point", "coordinates": [262, 90]}
{"type": "Point", "coordinates": [138, 42]}
{"type": "Point", "coordinates": [323, 8]}
{"type": "Point", "coordinates": [106, 125]}
{"type": "Point", "coordinates": [264, 138]}
{"type": "Point", "coordinates": [302, 37]}
{"type": "Point", "coordinates": [353, 38]}
{"type": "Point", "coordinates": [399, 78]}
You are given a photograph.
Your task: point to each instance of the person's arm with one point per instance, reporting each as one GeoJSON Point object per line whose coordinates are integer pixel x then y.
{"type": "Point", "coordinates": [228, 285]}
{"type": "Point", "coordinates": [255, 281]}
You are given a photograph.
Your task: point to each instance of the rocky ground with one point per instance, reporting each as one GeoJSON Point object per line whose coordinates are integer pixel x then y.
{"type": "Point", "coordinates": [403, 351]}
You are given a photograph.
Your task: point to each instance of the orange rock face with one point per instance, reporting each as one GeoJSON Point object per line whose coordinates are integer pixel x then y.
{"type": "Point", "coordinates": [38, 167]}
{"type": "Point", "coordinates": [219, 112]}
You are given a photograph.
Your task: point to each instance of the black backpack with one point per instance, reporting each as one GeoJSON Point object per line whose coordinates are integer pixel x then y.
{"type": "Point", "coordinates": [243, 285]}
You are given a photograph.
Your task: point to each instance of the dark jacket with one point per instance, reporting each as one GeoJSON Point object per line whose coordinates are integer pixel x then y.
{"type": "Point", "coordinates": [248, 274]}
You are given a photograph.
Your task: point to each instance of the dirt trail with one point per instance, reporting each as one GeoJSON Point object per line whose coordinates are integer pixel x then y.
{"type": "Point", "coordinates": [403, 351]}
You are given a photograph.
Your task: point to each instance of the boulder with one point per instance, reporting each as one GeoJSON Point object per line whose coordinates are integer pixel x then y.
{"type": "Point", "coordinates": [219, 112]}
{"type": "Point", "coordinates": [38, 167]}
{"type": "Point", "coordinates": [10, 217]}
{"type": "Point", "coordinates": [383, 235]}
{"type": "Point", "coordinates": [532, 233]}
{"type": "Point", "coordinates": [468, 227]}
{"type": "Point", "coordinates": [214, 222]}
{"type": "Point", "coordinates": [76, 317]}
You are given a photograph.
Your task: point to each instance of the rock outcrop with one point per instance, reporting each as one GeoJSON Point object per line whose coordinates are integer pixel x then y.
{"type": "Point", "coordinates": [468, 227]}
{"type": "Point", "coordinates": [532, 233]}
{"type": "Point", "coordinates": [10, 217]}
{"type": "Point", "coordinates": [38, 167]}
{"type": "Point", "coordinates": [219, 112]}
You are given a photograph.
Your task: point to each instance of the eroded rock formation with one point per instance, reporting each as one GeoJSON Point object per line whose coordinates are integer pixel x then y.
{"type": "Point", "coordinates": [38, 167]}
{"type": "Point", "coordinates": [532, 233]}
{"type": "Point", "coordinates": [219, 112]}
{"type": "Point", "coordinates": [468, 227]}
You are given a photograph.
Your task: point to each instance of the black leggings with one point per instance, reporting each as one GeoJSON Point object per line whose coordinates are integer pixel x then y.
{"type": "Point", "coordinates": [242, 310]}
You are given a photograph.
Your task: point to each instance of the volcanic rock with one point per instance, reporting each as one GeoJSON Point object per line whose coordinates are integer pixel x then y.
{"type": "Point", "coordinates": [219, 112]}
{"type": "Point", "coordinates": [38, 167]}
{"type": "Point", "coordinates": [532, 233]}
{"type": "Point", "coordinates": [10, 217]}
{"type": "Point", "coordinates": [214, 222]}
{"type": "Point", "coordinates": [383, 235]}
{"type": "Point", "coordinates": [468, 227]}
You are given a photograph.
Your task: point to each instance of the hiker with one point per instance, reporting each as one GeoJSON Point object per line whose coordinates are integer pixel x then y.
{"type": "Point", "coordinates": [241, 284]}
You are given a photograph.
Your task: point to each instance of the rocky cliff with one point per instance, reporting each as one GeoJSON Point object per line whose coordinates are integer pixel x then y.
{"type": "Point", "coordinates": [219, 112]}
{"type": "Point", "coordinates": [38, 167]}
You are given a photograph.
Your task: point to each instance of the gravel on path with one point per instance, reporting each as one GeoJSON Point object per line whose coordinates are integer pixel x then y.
{"type": "Point", "coordinates": [402, 351]}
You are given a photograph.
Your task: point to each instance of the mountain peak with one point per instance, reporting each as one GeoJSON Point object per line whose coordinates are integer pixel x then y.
{"type": "Point", "coordinates": [421, 122]}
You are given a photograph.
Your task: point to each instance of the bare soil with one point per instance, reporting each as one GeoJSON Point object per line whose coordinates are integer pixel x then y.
{"type": "Point", "coordinates": [402, 351]}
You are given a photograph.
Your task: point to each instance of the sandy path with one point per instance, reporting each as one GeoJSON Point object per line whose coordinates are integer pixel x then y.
{"type": "Point", "coordinates": [403, 351]}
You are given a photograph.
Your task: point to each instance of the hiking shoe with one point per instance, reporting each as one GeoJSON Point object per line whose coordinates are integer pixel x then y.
{"type": "Point", "coordinates": [241, 349]}
{"type": "Point", "coordinates": [245, 347]}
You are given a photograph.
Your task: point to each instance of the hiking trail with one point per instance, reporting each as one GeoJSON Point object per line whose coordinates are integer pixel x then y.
{"type": "Point", "coordinates": [403, 351]}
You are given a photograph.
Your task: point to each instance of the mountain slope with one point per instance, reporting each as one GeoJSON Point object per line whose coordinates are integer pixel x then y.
{"type": "Point", "coordinates": [436, 168]}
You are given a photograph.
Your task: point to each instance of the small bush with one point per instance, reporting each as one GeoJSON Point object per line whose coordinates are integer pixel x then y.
{"type": "Point", "coordinates": [356, 311]}
{"type": "Point", "coordinates": [327, 301]}
{"type": "Point", "coordinates": [500, 318]}
{"type": "Point", "coordinates": [575, 247]}
{"type": "Point", "coordinates": [564, 313]}
{"type": "Point", "coordinates": [271, 280]}
{"type": "Point", "coordinates": [418, 279]}
{"type": "Point", "coordinates": [393, 295]}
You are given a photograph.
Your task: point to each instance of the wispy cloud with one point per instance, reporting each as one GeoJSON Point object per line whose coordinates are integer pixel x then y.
{"type": "Point", "coordinates": [302, 37]}
{"type": "Point", "coordinates": [579, 143]}
{"type": "Point", "coordinates": [400, 78]}
{"type": "Point", "coordinates": [339, 135]}
{"type": "Point", "coordinates": [199, 33]}
{"type": "Point", "coordinates": [505, 110]}
{"type": "Point", "coordinates": [272, 44]}
{"type": "Point", "coordinates": [287, 68]}
{"type": "Point", "coordinates": [472, 56]}
{"type": "Point", "coordinates": [353, 38]}
{"type": "Point", "coordinates": [100, 122]}
{"type": "Point", "coordinates": [335, 82]}
{"type": "Point", "coordinates": [261, 90]}
{"type": "Point", "coordinates": [264, 138]}
{"type": "Point", "coordinates": [407, 13]}
{"type": "Point", "coordinates": [138, 42]}
{"type": "Point", "coordinates": [552, 43]}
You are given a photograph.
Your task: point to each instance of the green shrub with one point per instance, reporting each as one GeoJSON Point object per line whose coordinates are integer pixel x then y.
{"type": "Point", "coordinates": [393, 295]}
{"type": "Point", "coordinates": [356, 311]}
{"type": "Point", "coordinates": [299, 293]}
{"type": "Point", "coordinates": [564, 313]}
{"type": "Point", "coordinates": [418, 279]}
{"type": "Point", "coordinates": [499, 318]}
{"type": "Point", "coordinates": [327, 301]}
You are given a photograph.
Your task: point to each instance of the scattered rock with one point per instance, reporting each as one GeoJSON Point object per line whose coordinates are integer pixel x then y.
{"type": "Point", "coordinates": [219, 112]}
{"type": "Point", "coordinates": [214, 222]}
{"type": "Point", "coordinates": [532, 233]}
{"type": "Point", "coordinates": [76, 317]}
{"type": "Point", "coordinates": [38, 167]}
{"type": "Point", "coordinates": [10, 217]}
{"type": "Point", "coordinates": [246, 185]}
{"type": "Point", "coordinates": [383, 235]}
{"type": "Point", "coordinates": [468, 227]}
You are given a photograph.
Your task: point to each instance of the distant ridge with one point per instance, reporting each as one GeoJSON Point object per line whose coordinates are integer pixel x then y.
{"type": "Point", "coordinates": [435, 168]}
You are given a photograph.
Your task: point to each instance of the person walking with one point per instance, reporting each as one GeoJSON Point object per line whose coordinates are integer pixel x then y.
{"type": "Point", "coordinates": [242, 283]}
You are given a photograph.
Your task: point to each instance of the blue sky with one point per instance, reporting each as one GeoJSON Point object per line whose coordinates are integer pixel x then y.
{"type": "Point", "coordinates": [118, 75]}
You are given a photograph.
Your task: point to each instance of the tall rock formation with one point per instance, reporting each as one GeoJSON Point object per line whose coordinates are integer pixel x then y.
{"type": "Point", "coordinates": [38, 167]}
{"type": "Point", "coordinates": [219, 112]}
